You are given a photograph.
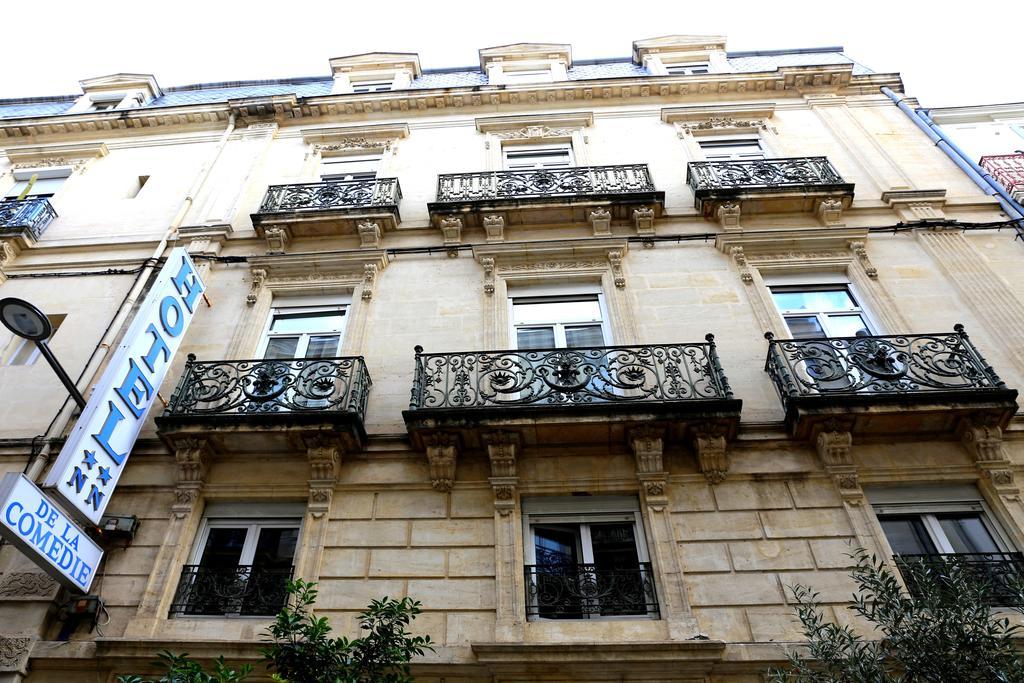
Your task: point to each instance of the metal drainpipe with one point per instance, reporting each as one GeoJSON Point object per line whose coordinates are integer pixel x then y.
{"type": "Point", "coordinates": [60, 423]}
{"type": "Point", "coordinates": [980, 177]}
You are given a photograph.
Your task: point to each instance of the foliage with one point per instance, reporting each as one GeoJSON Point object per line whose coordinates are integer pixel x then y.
{"type": "Point", "coordinates": [303, 652]}
{"type": "Point", "coordinates": [181, 669]}
{"type": "Point", "coordinates": [946, 632]}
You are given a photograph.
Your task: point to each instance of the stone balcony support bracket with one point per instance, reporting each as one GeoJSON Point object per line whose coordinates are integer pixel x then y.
{"type": "Point", "coordinates": [712, 457]}
{"type": "Point", "coordinates": [600, 218]}
{"type": "Point", "coordinates": [325, 453]}
{"type": "Point", "coordinates": [984, 441]}
{"type": "Point", "coordinates": [442, 455]}
{"type": "Point", "coordinates": [833, 445]}
{"type": "Point", "coordinates": [451, 230]}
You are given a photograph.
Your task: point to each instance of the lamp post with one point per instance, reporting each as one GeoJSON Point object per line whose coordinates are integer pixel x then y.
{"type": "Point", "coordinates": [28, 322]}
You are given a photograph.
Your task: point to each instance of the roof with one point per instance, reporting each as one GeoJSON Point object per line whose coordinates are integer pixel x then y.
{"type": "Point", "coordinates": [209, 93]}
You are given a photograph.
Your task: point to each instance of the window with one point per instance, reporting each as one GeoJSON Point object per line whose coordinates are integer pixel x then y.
{"type": "Point", "coordinates": [688, 69]}
{"type": "Point", "coordinates": [527, 76]}
{"type": "Point", "coordinates": [106, 102]}
{"type": "Point", "coordinates": [520, 157]}
{"type": "Point", "coordinates": [826, 311]}
{"type": "Point", "coordinates": [240, 565]}
{"type": "Point", "coordinates": [586, 558]}
{"type": "Point", "coordinates": [350, 168]}
{"type": "Point", "coordinates": [25, 352]}
{"type": "Point", "coordinates": [372, 86]}
{"type": "Point", "coordinates": [731, 149]}
{"type": "Point", "coordinates": [304, 332]}
{"type": "Point", "coordinates": [571, 321]}
{"type": "Point", "coordinates": [42, 182]}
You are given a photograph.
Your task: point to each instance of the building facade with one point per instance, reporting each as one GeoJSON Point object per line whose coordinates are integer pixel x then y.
{"type": "Point", "coordinates": [594, 359]}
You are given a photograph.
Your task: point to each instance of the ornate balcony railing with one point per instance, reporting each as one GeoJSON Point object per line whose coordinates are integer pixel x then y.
{"type": "Point", "coordinates": [1008, 171]}
{"type": "Point", "coordinates": [579, 591]}
{"type": "Point", "coordinates": [244, 590]}
{"type": "Point", "coordinates": [655, 373]}
{"type": "Point", "coordinates": [32, 214]}
{"type": "Point", "coordinates": [557, 182]}
{"type": "Point", "coordinates": [1002, 573]}
{"type": "Point", "coordinates": [879, 365]}
{"type": "Point", "coordinates": [258, 387]}
{"type": "Point", "coordinates": [709, 177]}
{"type": "Point", "coordinates": [331, 196]}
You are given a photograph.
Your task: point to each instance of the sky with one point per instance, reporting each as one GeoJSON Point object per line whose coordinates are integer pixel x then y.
{"type": "Point", "coordinates": [946, 58]}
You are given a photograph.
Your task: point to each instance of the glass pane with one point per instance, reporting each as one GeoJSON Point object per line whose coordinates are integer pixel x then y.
{"type": "Point", "coordinates": [556, 588]}
{"type": "Point", "coordinates": [907, 535]}
{"type": "Point", "coordinates": [847, 326]}
{"type": "Point", "coordinates": [315, 321]}
{"type": "Point", "coordinates": [535, 338]}
{"type": "Point", "coordinates": [556, 545]}
{"type": "Point", "coordinates": [526, 311]}
{"type": "Point", "coordinates": [275, 548]}
{"type": "Point", "coordinates": [324, 346]}
{"type": "Point", "coordinates": [16, 189]}
{"type": "Point", "coordinates": [223, 547]}
{"type": "Point", "coordinates": [805, 327]}
{"type": "Point", "coordinates": [825, 300]}
{"type": "Point", "coordinates": [582, 337]}
{"type": "Point", "coordinates": [967, 533]}
{"type": "Point", "coordinates": [614, 546]}
{"type": "Point", "coordinates": [281, 348]}
{"type": "Point", "coordinates": [45, 187]}
{"type": "Point", "coordinates": [617, 572]}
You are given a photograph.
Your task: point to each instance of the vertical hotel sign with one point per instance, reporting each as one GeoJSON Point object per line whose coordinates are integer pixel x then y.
{"type": "Point", "coordinates": [95, 454]}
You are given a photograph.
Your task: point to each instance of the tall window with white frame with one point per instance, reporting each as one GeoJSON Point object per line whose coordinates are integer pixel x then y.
{"type": "Point", "coordinates": [732, 148]}
{"type": "Point", "coordinates": [304, 332]}
{"type": "Point", "coordinates": [537, 157]}
{"type": "Point", "coordinates": [239, 567]}
{"type": "Point", "coordinates": [37, 183]}
{"type": "Point", "coordinates": [586, 558]}
{"type": "Point", "coordinates": [351, 168]}
{"type": "Point", "coordinates": [566, 321]}
{"type": "Point", "coordinates": [821, 311]}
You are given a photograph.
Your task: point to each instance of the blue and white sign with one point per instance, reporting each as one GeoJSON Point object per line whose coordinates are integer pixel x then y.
{"type": "Point", "coordinates": [96, 452]}
{"type": "Point", "coordinates": [49, 537]}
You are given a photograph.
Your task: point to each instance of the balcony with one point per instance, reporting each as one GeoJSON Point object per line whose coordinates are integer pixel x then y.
{"type": "Point", "coordinates": [1003, 573]}
{"type": "Point", "coordinates": [767, 185]}
{"type": "Point", "coordinates": [329, 208]}
{"type": "Point", "coordinates": [1008, 171]}
{"type": "Point", "coordinates": [571, 396]}
{"type": "Point", "coordinates": [921, 384]}
{"type": "Point", "coordinates": [245, 590]}
{"type": "Point", "coordinates": [25, 219]}
{"type": "Point", "coordinates": [255, 405]}
{"type": "Point", "coordinates": [584, 591]}
{"type": "Point", "coordinates": [545, 197]}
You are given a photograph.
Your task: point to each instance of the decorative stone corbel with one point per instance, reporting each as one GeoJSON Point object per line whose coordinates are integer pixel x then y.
{"type": "Point", "coordinates": [277, 239]}
{"type": "Point", "coordinates": [494, 226]}
{"type": "Point", "coordinates": [7, 254]}
{"type": "Point", "coordinates": [643, 220]}
{"type": "Point", "coordinates": [833, 445]}
{"type": "Point", "coordinates": [615, 259]}
{"type": "Point", "coordinates": [369, 234]}
{"type": "Point", "coordinates": [324, 453]}
{"type": "Point", "coordinates": [601, 220]}
{"type": "Point", "coordinates": [860, 250]}
{"type": "Point", "coordinates": [648, 444]}
{"type": "Point", "coordinates": [741, 260]}
{"type": "Point", "coordinates": [193, 455]}
{"type": "Point", "coordinates": [830, 212]}
{"type": "Point", "coordinates": [442, 453]}
{"type": "Point", "coordinates": [451, 229]}
{"type": "Point", "coordinates": [14, 653]}
{"type": "Point", "coordinates": [503, 452]}
{"type": "Point", "coordinates": [712, 458]}
{"type": "Point", "coordinates": [983, 439]}
{"type": "Point", "coordinates": [488, 264]}
{"type": "Point", "coordinates": [728, 215]}
{"type": "Point", "coordinates": [369, 279]}
{"type": "Point", "coordinates": [257, 276]}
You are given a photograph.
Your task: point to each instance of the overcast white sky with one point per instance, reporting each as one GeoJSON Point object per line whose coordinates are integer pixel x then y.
{"type": "Point", "coordinates": [967, 56]}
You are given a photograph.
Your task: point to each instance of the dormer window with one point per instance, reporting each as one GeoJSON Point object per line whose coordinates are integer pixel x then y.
{"type": "Point", "coordinates": [373, 86]}
{"type": "Point", "coordinates": [106, 103]}
{"type": "Point", "coordinates": [117, 91]}
{"type": "Point", "coordinates": [374, 72]}
{"type": "Point", "coordinates": [688, 69]}
{"type": "Point", "coordinates": [528, 76]}
{"type": "Point", "coordinates": [525, 63]}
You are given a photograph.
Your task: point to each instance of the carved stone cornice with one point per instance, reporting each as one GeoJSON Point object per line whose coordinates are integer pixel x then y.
{"type": "Point", "coordinates": [720, 117]}
{"type": "Point", "coordinates": [27, 586]}
{"type": "Point", "coordinates": [344, 138]}
{"type": "Point", "coordinates": [811, 242]}
{"type": "Point", "coordinates": [67, 154]}
{"type": "Point", "coordinates": [300, 272]}
{"type": "Point", "coordinates": [14, 653]}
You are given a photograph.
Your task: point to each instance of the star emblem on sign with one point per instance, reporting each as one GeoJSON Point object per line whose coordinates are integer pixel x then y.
{"type": "Point", "coordinates": [89, 459]}
{"type": "Point", "coordinates": [104, 475]}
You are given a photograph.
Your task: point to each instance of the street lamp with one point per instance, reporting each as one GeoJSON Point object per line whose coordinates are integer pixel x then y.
{"type": "Point", "coordinates": [28, 322]}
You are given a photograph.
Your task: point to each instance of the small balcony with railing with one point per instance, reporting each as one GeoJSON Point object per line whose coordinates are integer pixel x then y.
{"type": "Point", "coordinates": [245, 590]}
{"type": "Point", "coordinates": [329, 208]}
{"type": "Point", "coordinates": [550, 196]}
{"type": "Point", "coordinates": [571, 395]}
{"type": "Point", "coordinates": [260, 405]}
{"type": "Point", "coordinates": [589, 591]}
{"type": "Point", "coordinates": [790, 185]}
{"type": "Point", "coordinates": [24, 220]}
{"type": "Point", "coordinates": [1008, 171]}
{"type": "Point", "coordinates": [1001, 574]}
{"type": "Point", "coordinates": [914, 384]}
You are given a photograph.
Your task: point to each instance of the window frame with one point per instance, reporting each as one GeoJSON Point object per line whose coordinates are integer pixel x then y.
{"type": "Point", "coordinates": [352, 177]}
{"type": "Point", "coordinates": [822, 316]}
{"type": "Point", "coordinates": [929, 512]}
{"type": "Point", "coordinates": [567, 296]}
{"type": "Point", "coordinates": [62, 173]}
{"type": "Point", "coordinates": [537, 149]}
{"type": "Point", "coordinates": [514, 76]}
{"type": "Point", "coordinates": [372, 85]}
{"type": "Point", "coordinates": [686, 68]}
{"type": "Point", "coordinates": [707, 143]}
{"type": "Point", "coordinates": [305, 305]}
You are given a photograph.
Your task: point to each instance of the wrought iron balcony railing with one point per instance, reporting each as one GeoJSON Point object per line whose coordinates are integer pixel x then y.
{"type": "Point", "coordinates": [332, 196]}
{"type": "Point", "coordinates": [256, 387]}
{"type": "Point", "coordinates": [624, 374]}
{"type": "Point", "coordinates": [879, 365]}
{"type": "Point", "coordinates": [1002, 573]}
{"type": "Point", "coordinates": [557, 182]}
{"type": "Point", "coordinates": [32, 214]}
{"type": "Point", "coordinates": [581, 591]}
{"type": "Point", "coordinates": [244, 590]}
{"type": "Point", "coordinates": [759, 175]}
